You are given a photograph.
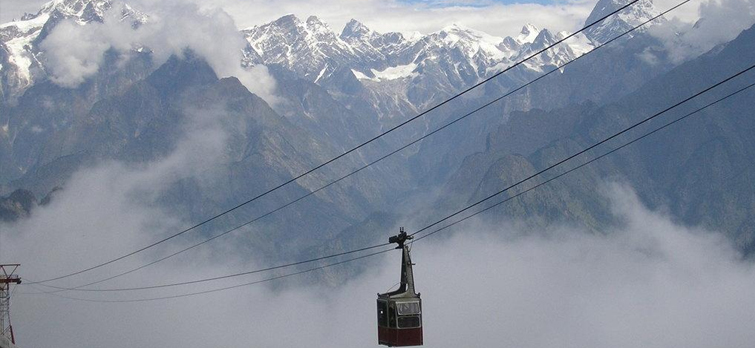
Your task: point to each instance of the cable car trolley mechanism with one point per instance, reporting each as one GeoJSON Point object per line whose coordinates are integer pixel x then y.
{"type": "Point", "coordinates": [399, 313]}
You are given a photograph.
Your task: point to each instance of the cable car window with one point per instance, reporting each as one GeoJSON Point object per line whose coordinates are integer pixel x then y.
{"type": "Point", "coordinates": [408, 322]}
{"type": "Point", "coordinates": [407, 308]}
{"type": "Point", "coordinates": [382, 308]}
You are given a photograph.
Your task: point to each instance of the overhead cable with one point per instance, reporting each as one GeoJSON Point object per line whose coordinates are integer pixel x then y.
{"type": "Point", "coordinates": [342, 154]}
{"type": "Point", "coordinates": [586, 163]}
{"type": "Point", "coordinates": [587, 149]}
{"type": "Point", "coordinates": [558, 68]}
{"type": "Point", "coordinates": [430, 233]}
{"type": "Point", "coordinates": [633, 126]}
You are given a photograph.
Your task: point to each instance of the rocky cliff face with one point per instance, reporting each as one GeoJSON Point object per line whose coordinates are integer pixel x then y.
{"type": "Point", "coordinates": [626, 19]}
{"type": "Point", "coordinates": [17, 205]}
{"type": "Point", "coordinates": [700, 170]}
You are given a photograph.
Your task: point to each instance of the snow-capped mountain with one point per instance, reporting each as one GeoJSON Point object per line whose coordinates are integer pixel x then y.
{"type": "Point", "coordinates": [20, 65]}
{"type": "Point", "coordinates": [397, 74]}
{"type": "Point", "coordinates": [373, 46]}
{"type": "Point", "coordinates": [450, 59]}
{"type": "Point", "coordinates": [626, 19]}
{"type": "Point", "coordinates": [303, 47]}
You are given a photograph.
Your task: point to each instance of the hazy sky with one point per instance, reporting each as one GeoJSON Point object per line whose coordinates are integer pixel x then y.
{"type": "Point", "coordinates": [495, 17]}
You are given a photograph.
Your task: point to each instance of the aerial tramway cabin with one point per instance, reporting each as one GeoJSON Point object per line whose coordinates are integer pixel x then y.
{"type": "Point", "coordinates": [399, 313]}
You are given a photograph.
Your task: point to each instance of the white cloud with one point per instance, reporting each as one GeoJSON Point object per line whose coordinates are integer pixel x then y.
{"type": "Point", "coordinates": [649, 283]}
{"type": "Point", "coordinates": [687, 13]}
{"type": "Point", "coordinates": [210, 32]}
{"type": "Point", "coordinates": [10, 10]}
{"type": "Point", "coordinates": [115, 206]}
{"type": "Point", "coordinates": [74, 53]}
{"type": "Point", "coordinates": [720, 21]}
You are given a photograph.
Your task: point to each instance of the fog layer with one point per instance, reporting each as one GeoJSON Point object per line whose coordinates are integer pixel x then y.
{"type": "Point", "coordinates": [649, 282]}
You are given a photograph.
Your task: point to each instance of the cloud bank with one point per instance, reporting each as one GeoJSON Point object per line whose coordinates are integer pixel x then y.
{"type": "Point", "coordinates": [649, 282]}
{"type": "Point", "coordinates": [74, 53]}
{"type": "Point", "coordinates": [720, 22]}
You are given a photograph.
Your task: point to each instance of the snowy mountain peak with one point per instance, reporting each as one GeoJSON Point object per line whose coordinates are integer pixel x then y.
{"type": "Point", "coordinates": [305, 48]}
{"type": "Point", "coordinates": [314, 22]}
{"type": "Point", "coordinates": [529, 28]}
{"type": "Point", "coordinates": [509, 44]}
{"type": "Point", "coordinates": [528, 34]}
{"type": "Point", "coordinates": [455, 33]}
{"type": "Point", "coordinates": [289, 21]}
{"type": "Point", "coordinates": [320, 31]}
{"type": "Point", "coordinates": [455, 27]}
{"type": "Point", "coordinates": [614, 25]}
{"type": "Point", "coordinates": [453, 57]}
{"type": "Point", "coordinates": [83, 10]}
{"type": "Point", "coordinates": [544, 38]}
{"type": "Point", "coordinates": [355, 29]}
{"type": "Point", "coordinates": [20, 38]}
{"type": "Point", "coordinates": [470, 42]}
{"type": "Point", "coordinates": [291, 25]}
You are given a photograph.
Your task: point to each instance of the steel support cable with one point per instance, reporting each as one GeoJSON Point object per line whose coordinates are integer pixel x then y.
{"type": "Point", "coordinates": [261, 270]}
{"type": "Point", "coordinates": [342, 154]}
{"type": "Point", "coordinates": [586, 149]}
{"type": "Point", "coordinates": [223, 288]}
{"type": "Point", "coordinates": [434, 231]}
{"type": "Point", "coordinates": [478, 202]}
{"type": "Point", "coordinates": [59, 288]}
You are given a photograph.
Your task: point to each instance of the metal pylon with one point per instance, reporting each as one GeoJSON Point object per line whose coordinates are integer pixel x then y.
{"type": "Point", "coordinates": [7, 277]}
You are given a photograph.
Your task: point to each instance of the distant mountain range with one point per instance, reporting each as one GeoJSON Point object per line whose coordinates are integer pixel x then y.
{"type": "Point", "coordinates": [339, 89]}
{"type": "Point", "coordinates": [441, 62]}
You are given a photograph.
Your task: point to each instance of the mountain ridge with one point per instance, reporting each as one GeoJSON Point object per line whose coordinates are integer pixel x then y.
{"type": "Point", "coordinates": [310, 47]}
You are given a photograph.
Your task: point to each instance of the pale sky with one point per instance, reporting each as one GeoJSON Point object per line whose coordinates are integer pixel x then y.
{"type": "Point", "coordinates": [14, 9]}
{"type": "Point", "coordinates": [500, 18]}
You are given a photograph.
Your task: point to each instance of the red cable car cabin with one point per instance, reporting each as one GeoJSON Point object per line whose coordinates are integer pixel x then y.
{"type": "Point", "coordinates": [399, 312]}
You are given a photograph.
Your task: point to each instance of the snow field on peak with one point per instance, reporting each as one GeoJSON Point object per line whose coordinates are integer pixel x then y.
{"type": "Point", "coordinates": [18, 47]}
{"type": "Point", "coordinates": [27, 25]}
{"type": "Point", "coordinates": [528, 34]}
{"type": "Point", "coordinates": [391, 73]}
{"type": "Point", "coordinates": [472, 41]}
